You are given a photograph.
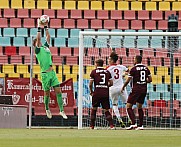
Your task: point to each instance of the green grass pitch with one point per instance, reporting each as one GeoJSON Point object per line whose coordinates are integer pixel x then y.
{"type": "Point", "coordinates": [89, 138]}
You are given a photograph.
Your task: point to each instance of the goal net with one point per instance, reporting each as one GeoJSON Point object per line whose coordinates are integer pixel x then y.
{"type": "Point", "coordinates": [160, 52]}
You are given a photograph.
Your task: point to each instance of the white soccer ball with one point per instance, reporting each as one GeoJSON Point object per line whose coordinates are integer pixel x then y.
{"type": "Point", "coordinates": [44, 19]}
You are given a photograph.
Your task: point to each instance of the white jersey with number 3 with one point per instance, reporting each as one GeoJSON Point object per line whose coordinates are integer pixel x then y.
{"type": "Point", "coordinates": [117, 72]}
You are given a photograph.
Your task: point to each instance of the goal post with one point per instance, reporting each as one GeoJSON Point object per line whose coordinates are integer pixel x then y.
{"type": "Point", "coordinates": [100, 40]}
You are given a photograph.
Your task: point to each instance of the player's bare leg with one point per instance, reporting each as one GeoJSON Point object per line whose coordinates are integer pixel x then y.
{"type": "Point", "coordinates": [46, 102]}
{"type": "Point", "coordinates": [93, 117]}
{"type": "Point", "coordinates": [132, 117]}
{"type": "Point", "coordinates": [141, 115]}
{"type": "Point", "coordinates": [60, 102]}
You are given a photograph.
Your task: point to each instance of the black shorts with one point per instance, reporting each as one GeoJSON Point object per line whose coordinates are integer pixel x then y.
{"type": "Point", "coordinates": [101, 101]}
{"type": "Point", "coordinates": [136, 97]}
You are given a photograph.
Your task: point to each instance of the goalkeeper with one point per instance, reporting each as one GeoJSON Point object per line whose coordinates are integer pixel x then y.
{"type": "Point", "coordinates": [48, 75]}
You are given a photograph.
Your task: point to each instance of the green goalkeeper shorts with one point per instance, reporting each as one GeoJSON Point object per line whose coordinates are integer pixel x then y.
{"type": "Point", "coordinates": [49, 79]}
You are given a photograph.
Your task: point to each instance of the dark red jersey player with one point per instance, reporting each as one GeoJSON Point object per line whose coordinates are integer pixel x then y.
{"type": "Point", "coordinates": [140, 76]}
{"type": "Point", "coordinates": [102, 80]}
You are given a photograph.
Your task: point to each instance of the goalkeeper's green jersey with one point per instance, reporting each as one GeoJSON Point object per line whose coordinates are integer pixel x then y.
{"type": "Point", "coordinates": [44, 56]}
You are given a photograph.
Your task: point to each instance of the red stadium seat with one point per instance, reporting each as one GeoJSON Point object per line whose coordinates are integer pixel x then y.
{"type": "Point", "coordinates": [156, 15]}
{"type": "Point", "coordinates": [168, 13]}
{"type": "Point", "coordinates": [76, 14]}
{"type": "Point", "coordinates": [106, 52]}
{"type": "Point", "coordinates": [176, 104]}
{"type": "Point", "coordinates": [50, 13]}
{"type": "Point", "coordinates": [76, 52]}
{"type": "Point", "coordinates": [150, 25]}
{"type": "Point", "coordinates": [36, 13]}
{"type": "Point", "coordinates": [143, 15]}
{"type": "Point", "coordinates": [89, 14]}
{"type": "Point", "coordinates": [179, 25]}
{"type": "Point", "coordinates": [93, 51]}
{"type": "Point", "coordinates": [57, 60]}
{"type": "Point", "coordinates": [127, 61]}
{"type": "Point", "coordinates": [102, 14]}
{"type": "Point", "coordinates": [4, 23]}
{"type": "Point", "coordinates": [9, 13]}
{"type": "Point", "coordinates": [109, 24]}
{"type": "Point", "coordinates": [23, 13]}
{"type": "Point", "coordinates": [123, 24]}
{"type": "Point", "coordinates": [179, 15]}
{"type": "Point", "coordinates": [1, 50]}
{"type": "Point", "coordinates": [65, 51]}
{"type": "Point", "coordinates": [15, 23]}
{"type": "Point", "coordinates": [82, 24]}
{"type": "Point", "coordinates": [96, 24]}
{"type": "Point", "coordinates": [3, 59]}
{"type": "Point", "coordinates": [54, 50]}
{"type": "Point", "coordinates": [159, 103]}
{"type": "Point", "coordinates": [62, 14]}
{"type": "Point", "coordinates": [162, 25]}
{"type": "Point", "coordinates": [121, 52]}
{"type": "Point", "coordinates": [136, 24]}
{"type": "Point", "coordinates": [129, 14]}
{"type": "Point", "coordinates": [72, 60]}
{"type": "Point", "coordinates": [69, 23]}
{"type": "Point", "coordinates": [123, 112]}
{"type": "Point", "coordinates": [148, 53]}
{"type": "Point", "coordinates": [10, 50]}
{"type": "Point", "coordinates": [133, 52]}
{"type": "Point", "coordinates": [29, 23]}
{"type": "Point", "coordinates": [24, 51]}
{"type": "Point", "coordinates": [178, 113]}
{"type": "Point", "coordinates": [0, 13]}
{"type": "Point", "coordinates": [116, 14]}
{"type": "Point", "coordinates": [16, 59]}
{"type": "Point", "coordinates": [154, 61]}
{"type": "Point", "coordinates": [153, 112]}
{"type": "Point", "coordinates": [55, 23]}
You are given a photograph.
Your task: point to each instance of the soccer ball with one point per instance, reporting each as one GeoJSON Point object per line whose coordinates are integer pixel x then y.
{"type": "Point", "coordinates": [44, 19]}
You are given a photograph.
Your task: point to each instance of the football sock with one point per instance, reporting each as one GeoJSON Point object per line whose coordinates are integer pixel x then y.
{"type": "Point", "coordinates": [93, 117]}
{"type": "Point", "coordinates": [141, 114]}
{"type": "Point", "coordinates": [46, 101]}
{"type": "Point", "coordinates": [60, 101]}
{"type": "Point", "coordinates": [116, 112]}
{"type": "Point", "coordinates": [109, 118]}
{"type": "Point", "coordinates": [131, 115]}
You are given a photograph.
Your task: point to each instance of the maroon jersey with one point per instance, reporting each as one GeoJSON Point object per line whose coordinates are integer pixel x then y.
{"type": "Point", "coordinates": [139, 74]}
{"type": "Point", "coordinates": [101, 78]}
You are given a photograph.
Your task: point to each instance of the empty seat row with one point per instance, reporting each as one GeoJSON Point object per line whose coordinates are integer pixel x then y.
{"type": "Point", "coordinates": [93, 5]}
{"type": "Point", "coordinates": [90, 24]}
{"type": "Point", "coordinates": [90, 14]}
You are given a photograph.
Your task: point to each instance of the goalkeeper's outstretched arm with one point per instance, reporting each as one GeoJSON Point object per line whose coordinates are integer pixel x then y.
{"type": "Point", "coordinates": [38, 36]}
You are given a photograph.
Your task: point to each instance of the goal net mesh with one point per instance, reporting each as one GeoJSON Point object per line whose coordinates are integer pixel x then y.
{"type": "Point", "coordinates": [156, 52]}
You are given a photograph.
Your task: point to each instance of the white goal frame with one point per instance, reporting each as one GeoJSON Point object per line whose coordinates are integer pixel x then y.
{"type": "Point", "coordinates": [81, 51]}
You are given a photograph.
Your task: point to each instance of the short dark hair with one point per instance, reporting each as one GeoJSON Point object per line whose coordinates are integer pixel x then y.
{"type": "Point", "coordinates": [138, 58]}
{"type": "Point", "coordinates": [99, 62]}
{"type": "Point", "coordinates": [114, 57]}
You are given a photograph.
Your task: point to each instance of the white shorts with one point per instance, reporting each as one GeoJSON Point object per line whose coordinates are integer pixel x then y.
{"type": "Point", "coordinates": [115, 92]}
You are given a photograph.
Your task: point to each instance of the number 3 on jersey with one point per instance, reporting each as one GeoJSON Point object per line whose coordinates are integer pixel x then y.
{"type": "Point", "coordinates": [116, 71]}
{"type": "Point", "coordinates": [103, 77]}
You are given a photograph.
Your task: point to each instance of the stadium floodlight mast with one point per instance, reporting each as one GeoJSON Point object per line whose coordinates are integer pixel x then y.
{"type": "Point", "coordinates": [84, 34]}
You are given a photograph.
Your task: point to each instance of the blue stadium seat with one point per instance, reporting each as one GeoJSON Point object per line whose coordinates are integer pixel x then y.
{"type": "Point", "coordinates": [88, 42]}
{"type": "Point", "coordinates": [156, 43]}
{"type": "Point", "coordinates": [150, 87]}
{"type": "Point", "coordinates": [60, 42]}
{"type": "Point", "coordinates": [33, 31]}
{"type": "Point", "coordinates": [51, 31]}
{"type": "Point", "coordinates": [0, 32]}
{"type": "Point", "coordinates": [28, 41]}
{"type": "Point", "coordinates": [115, 42]}
{"type": "Point", "coordinates": [146, 37]}
{"type": "Point", "coordinates": [166, 95]}
{"type": "Point", "coordinates": [142, 43]}
{"type": "Point", "coordinates": [18, 41]}
{"type": "Point", "coordinates": [129, 42]}
{"type": "Point", "coordinates": [62, 33]}
{"type": "Point", "coordinates": [101, 43]}
{"type": "Point", "coordinates": [9, 32]}
{"type": "Point", "coordinates": [157, 37]}
{"type": "Point", "coordinates": [161, 88]}
{"type": "Point", "coordinates": [74, 33]}
{"type": "Point", "coordinates": [176, 87]}
{"type": "Point", "coordinates": [73, 42]}
{"type": "Point", "coordinates": [22, 32]}
{"type": "Point", "coordinates": [5, 41]}
{"type": "Point", "coordinates": [154, 95]}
